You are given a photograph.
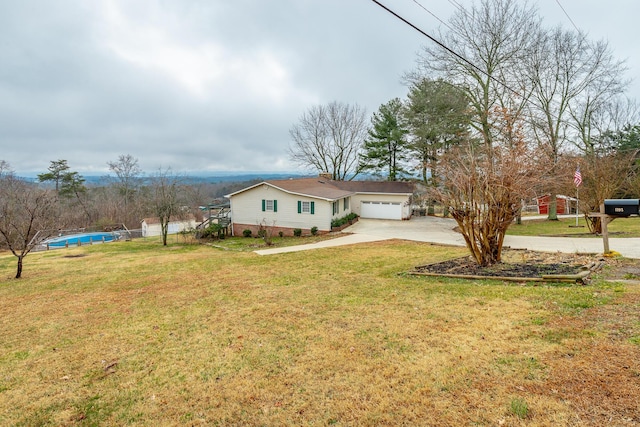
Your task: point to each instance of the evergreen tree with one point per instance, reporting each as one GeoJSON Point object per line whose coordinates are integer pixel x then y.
{"type": "Point", "coordinates": [58, 172]}
{"type": "Point", "coordinates": [437, 115]}
{"type": "Point", "coordinates": [625, 140]}
{"type": "Point", "coordinates": [385, 150]}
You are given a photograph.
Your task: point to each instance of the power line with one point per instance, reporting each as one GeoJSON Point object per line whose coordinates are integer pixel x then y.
{"type": "Point", "coordinates": [433, 14]}
{"type": "Point", "coordinates": [442, 45]}
{"type": "Point", "coordinates": [459, 6]}
{"type": "Point", "coordinates": [568, 17]}
{"type": "Point", "coordinates": [457, 55]}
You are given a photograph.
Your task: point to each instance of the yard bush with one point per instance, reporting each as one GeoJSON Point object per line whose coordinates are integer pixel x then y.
{"type": "Point", "coordinates": [265, 232]}
{"type": "Point", "coordinates": [213, 230]}
{"type": "Point", "coordinates": [246, 233]}
{"type": "Point", "coordinates": [297, 232]}
{"type": "Point", "coordinates": [314, 230]}
{"type": "Point", "coordinates": [339, 222]}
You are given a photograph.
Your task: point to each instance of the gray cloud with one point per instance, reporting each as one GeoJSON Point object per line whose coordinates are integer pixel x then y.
{"type": "Point", "coordinates": [196, 85]}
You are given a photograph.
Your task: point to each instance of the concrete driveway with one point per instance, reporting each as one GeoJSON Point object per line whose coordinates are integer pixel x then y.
{"type": "Point", "coordinates": [440, 231]}
{"type": "Point", "coordinates": [421, 229]}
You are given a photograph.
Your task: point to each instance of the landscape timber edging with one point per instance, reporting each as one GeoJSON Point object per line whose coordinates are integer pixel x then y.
{"type": "Point", "coordinates": [578, 277]}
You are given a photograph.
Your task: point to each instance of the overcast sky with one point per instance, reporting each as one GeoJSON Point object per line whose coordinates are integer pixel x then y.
{"type": "Point", "coordinates": [215, 85]}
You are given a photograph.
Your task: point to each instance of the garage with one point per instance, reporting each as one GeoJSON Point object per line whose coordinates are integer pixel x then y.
{"type": "Point", "coordinates": [381, 210]}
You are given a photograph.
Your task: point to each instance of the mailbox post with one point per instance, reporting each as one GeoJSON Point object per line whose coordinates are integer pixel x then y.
{"type": "Point", "coordinates": [612, 209]}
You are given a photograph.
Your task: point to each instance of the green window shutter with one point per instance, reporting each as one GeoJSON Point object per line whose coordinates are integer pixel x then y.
{"type": "Point", "coordinates": [313, 208]}
{"type": "Point", "coordinates": [264, 204]}
{"type": "Point", "coordinates": [275, 206]}
{"type": "Point", "coordinates": [299, 206]}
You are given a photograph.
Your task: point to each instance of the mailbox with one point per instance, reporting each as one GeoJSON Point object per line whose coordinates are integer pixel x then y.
{"type": "Point", "coordinates": [621, 207]}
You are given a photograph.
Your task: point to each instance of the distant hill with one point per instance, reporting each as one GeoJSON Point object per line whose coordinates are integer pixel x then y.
{"type": "Point", "coordinates": [212, 177]}
{"type": "Point", "coordinates": [240, 177]}
{"type": "Point", "coordinates": [196, 178]}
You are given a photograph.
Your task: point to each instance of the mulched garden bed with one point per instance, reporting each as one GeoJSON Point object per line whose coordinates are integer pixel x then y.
{"type": "Point", "coordinates": [519, 265]}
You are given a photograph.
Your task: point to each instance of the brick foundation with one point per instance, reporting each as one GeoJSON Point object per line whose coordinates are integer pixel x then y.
{"type": "Point", "coordinates": [286, 231]}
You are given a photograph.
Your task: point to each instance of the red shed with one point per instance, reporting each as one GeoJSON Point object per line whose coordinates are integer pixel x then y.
{"type": "Point", "coordinates": [564, 204]}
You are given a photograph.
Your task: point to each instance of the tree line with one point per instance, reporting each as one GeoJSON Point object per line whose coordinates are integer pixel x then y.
{"type": "Point", "coordinates": [508, 112]}
{"type": "Point", "coordinates": [31, 212]}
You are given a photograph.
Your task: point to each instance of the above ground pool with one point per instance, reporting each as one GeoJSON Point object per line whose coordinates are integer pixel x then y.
{"type": "Point", "coordinates": [80, 239]}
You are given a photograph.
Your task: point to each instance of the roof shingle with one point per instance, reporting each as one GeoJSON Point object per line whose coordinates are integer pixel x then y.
{"type": "Point", "coordinates": [333, 190]}
{"type": "Point", "coordinates": [315, 187]}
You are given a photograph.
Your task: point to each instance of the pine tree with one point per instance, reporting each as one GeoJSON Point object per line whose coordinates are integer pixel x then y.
{"type": "Point", "coordinates": [385, 150]}
{"type": "Point", "coordinates": [437, 117]}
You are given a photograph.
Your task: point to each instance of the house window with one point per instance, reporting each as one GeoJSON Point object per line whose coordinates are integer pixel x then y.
{"type": "Point", "coordinates": [306, 207]}
{"type": "Point", "coordinates": [269, 205]}
{"type": "Point", "coordinates": [346, 204]}
{"type": "Point", "coordinates": [336, 208]}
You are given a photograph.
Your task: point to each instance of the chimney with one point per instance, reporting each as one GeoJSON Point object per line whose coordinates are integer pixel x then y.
{"type": "Point", "coordinates": [325, 175]}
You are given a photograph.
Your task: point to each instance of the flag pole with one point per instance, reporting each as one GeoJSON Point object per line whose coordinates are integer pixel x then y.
{"type": "Point", "coordinates": [577, 180]}
{"type": "Point", "coordinates": [577, 205]}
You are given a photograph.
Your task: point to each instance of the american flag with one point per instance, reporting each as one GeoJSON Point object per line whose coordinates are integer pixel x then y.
{"type": "Point", "coordinates": [577, 177]}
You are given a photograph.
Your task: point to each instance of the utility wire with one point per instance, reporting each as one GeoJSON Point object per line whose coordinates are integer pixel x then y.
{"type": "Point", "coordinates": [434, 15]}
{"type": "Point", "coordinates": [445, 47]}
{"type": "Point", "coordinates": [458, 5]}
{"type": "Point", "coordinates": [568, 17]}
{"type": "Point", "coordinates": [462, 9]}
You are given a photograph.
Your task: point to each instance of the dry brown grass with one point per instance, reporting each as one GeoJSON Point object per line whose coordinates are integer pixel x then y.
{"type": "Point", "coordinates": [137, 334]}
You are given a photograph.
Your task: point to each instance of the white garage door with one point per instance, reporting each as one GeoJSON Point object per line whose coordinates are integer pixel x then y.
{"type": "Point", "coordinates": [381, 210]}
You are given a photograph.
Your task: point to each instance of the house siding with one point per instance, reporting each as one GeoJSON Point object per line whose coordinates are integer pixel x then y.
{"type": "Point", "coordinates": [341, 210]}
{"type": "Point", "coordinates": [246, 211]}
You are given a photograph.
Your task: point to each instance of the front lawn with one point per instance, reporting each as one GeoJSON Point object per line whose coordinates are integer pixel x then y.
{"type": "Point", "coordinates": [621, 227]}
{"type": "Point", "coordinates": [133, 333]}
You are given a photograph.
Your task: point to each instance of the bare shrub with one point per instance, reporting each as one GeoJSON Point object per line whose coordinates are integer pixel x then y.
{"type": "Point", "coordinates": [483, 187]}
{"type": "Point", "coordinates": [265, 231]}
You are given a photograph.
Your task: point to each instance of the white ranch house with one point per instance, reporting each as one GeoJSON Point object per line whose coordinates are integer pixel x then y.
{"type": "Point", "coordinates": [304, 203]}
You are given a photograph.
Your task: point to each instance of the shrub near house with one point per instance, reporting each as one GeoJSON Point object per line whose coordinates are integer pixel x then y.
{"type": "Point", "coordinates": [344, 221]}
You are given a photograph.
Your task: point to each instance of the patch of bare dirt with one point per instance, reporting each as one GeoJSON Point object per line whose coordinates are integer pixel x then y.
{"type": "Point", "coordinates": [519, 263]}
{"type": "Point", "coordinates": [624, 268]}
{"type": "Point", "coordinates": [599, 375]}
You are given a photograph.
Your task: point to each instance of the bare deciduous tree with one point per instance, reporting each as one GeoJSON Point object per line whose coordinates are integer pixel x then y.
{"type": "Point", "coordinates": [492, 37]}
{"type": "Point", "coordinates": [5, 168]}
{"type": "Point", "coordinates": [128, 174]}
{"type": "Point", "coordinates": [165, 202]}
{"type": "Point", "coordinates": [25, 210]}
{"type": "Point", "coordinates": [329, 138]}
{"type": "Point", "coordinates": [566, 69]}
{"type": "Point", "coordinates": [604, 176]}
{"type": "Point", "coordinates": [606, 170]}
